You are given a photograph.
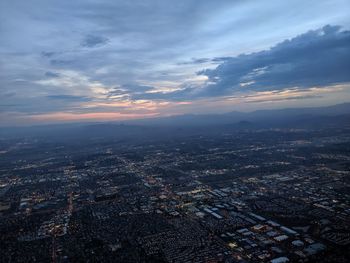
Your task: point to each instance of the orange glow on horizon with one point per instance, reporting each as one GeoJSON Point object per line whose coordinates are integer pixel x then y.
{"type": "Point", "coordinates": [138, 109]}
{"type": "Point", "coordinates": [102, 116]}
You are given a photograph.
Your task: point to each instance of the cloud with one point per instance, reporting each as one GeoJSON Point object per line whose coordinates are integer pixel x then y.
{"type": "Point", "coordinates": [317, 58]}
{"type": "Point", "coordinates": [284, 99]}
{"type": "Point", "coordinates": [136, 88]}
{"type": "Point", "coordinates": [51, 74]}
{"type": "Point", "coordinates": [70, 98]}
{"type": "Point", "coordinates": [48, 54]}
{"type": "Point", "coordinates": [127, 91]}
{"type": "Point", "coordinates": [61, 62]}
{"type": "Point", "coordinates": [9, 94]}
{"type": "Point", "coordinates": [117, 50]}
{"type": "Point", "coordinates": [92, 41]}
{"type": "Point", "coordinates": [116, 92]}
{"type": "Point", "coordinates": [194, 61]}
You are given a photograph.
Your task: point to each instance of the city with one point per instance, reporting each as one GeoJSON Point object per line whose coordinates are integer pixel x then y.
{"type": "Point", "coordinates": [266, 195]}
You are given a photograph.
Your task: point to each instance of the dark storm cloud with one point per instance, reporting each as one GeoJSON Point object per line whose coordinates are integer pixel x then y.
{"type": "Point", "coordinates": [316, 58]}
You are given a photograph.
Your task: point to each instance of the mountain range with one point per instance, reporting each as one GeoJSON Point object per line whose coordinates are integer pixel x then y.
{"type": "Point", "coordinates": [192, 124]}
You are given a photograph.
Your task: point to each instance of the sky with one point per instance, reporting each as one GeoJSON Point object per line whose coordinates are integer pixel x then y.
{"type": "Point", "coordinates": [104, 60]}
